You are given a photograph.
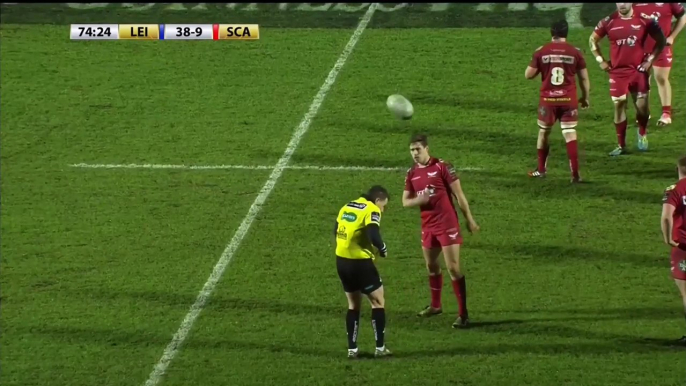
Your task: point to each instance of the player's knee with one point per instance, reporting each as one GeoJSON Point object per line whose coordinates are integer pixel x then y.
{"type": "Point", "coordinates": [661, 78]}
{"type": "Point", "coordinates": [455, 272]}
{"type": "Point", "coordinates": [433, 267]}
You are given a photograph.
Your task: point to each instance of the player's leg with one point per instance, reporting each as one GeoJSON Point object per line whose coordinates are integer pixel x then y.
{"type": "Point", "coordinates": [619, 89]}
{"type": "Point", "coordinates": [681, 284]}
{"type": "Point", "coordinates": [642, 106]}
{"type": "Point", "coordinates": [664, 89]}
{"type": "Point", "coordinates": [568, 122]}
{"type": "Point", "coordinates": [431, 249]}
{"type": "Point", "coordinates": [451, 254]}
{"type": "Point", "coordinates": [375, 293]}
{"type": "Point", "coordinates": [546, 120]}
{"type": "Point", "coordinates": [347, 274]}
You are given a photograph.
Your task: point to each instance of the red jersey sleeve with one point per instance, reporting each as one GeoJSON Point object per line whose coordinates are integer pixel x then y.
{"type": "Point", "coordinates": [448, 173]}
{"type": "Point", "coordinates": [671, 197]}
{"type": "Point", "coordinates": [408, 182]}
{"type": "Point", "coordinates": [534, 59]}
{"type": "Point", "coordinates": [677, 9]}
{"type": "Point", "coordinates": [601, 28]}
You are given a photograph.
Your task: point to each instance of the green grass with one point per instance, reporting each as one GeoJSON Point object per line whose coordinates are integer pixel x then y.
{"type": "Point", "coordinates": [567, 284]}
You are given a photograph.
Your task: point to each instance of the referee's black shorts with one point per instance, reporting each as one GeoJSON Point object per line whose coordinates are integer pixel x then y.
{"type": "Point", "coordinates": [358, 275]}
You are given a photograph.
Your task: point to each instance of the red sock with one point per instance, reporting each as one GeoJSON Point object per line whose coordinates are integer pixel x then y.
{"type": "Point", "coordinates": [667, 110]}
{"type": "Point", "coordinates": [436, 284]}
{"type": "Point", "coordinates": [572, 153]}
{"type": "Point", "coordinates": [642, 124]}
{"type": "Point", "coordinates": [460, 288]}
{"type": "Point", "coordinates": [621, 133]}
{"type": "Point", "coordinates": [542, 158]}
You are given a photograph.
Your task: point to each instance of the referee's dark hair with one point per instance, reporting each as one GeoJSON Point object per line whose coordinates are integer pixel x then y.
{"type": "Point", "coordinates": [377, 192]}
{"type": "Point", "coordinates": [559, 29]}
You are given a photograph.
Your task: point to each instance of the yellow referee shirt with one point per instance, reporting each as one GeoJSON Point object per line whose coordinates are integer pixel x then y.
{"type": "Point", "coordinates": [351, 239]}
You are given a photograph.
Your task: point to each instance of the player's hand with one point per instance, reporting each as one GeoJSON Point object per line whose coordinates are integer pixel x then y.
{"type": "Point", "coordinates": [605, 66]}
{"type": "Point", "coordinates": [583, 102]}
{"type": "Point", "coordinates": [670, 40]}
{"type": "Point", "coordinates": [383, 251]}
{"type": "Point", "coordinates": [673, 243]}
{"type": "Point", "coordinates": [472, 226]}
{"type": "Point", "coordinates": [645, 66]}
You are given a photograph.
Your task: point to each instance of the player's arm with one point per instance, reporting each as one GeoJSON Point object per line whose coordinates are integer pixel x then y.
{"type": "Point", "coordinates": [668, 223]}
{"type": "Point", "coordinates": [335, 229]}
{"type": "Point", "coordinates": [656, 33]}
{"type": "Point", "coordinates": [678, 11]}
{"type": "Point", "coordinates": [532, 69]}
{"type": "Point", "coordinates": [593, 42]}
{"type": "Point", "coordinates": [584, 82]}
{"type": "Point", "coordinates": [462, 202]}
{"type": "Point", "coordinates": [373, 231]}
{"type": "Point", "coordinates": [411, 199]}
{"type": "Point", "coordinates": [669, 202]}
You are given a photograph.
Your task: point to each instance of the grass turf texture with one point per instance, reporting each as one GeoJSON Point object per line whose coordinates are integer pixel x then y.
{"type": "Point", "coordinates": [567, 284]}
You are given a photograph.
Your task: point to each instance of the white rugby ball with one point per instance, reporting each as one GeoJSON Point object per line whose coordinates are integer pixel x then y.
{"type": "Point", "coordinates": [399, 106]}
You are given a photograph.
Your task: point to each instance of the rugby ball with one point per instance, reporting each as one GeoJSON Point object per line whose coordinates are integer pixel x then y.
{"type": "Point", "coordinates": [399, 106]}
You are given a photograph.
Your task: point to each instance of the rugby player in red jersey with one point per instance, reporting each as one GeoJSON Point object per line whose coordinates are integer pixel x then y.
{"type": "Point", "coordinates": [663, 14]}
{"type": "Point", "coordinates": [432, 184]}
{"type": "Point", "coordinates": [674, 230]}
{"type": "Point", "coordinates": [628, 67]}
{"type": "Point", "coordinates": [559, 62]}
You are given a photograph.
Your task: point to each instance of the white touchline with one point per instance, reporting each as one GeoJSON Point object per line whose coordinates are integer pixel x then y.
{"type": "Point", "coordinates": [182, 333]}
{"type": "Point", "coordinates": [249, 167]}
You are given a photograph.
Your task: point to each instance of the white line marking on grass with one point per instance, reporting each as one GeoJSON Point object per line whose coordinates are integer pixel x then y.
{"type": "Point", "coordinates": [250, 167]}
{"type": "Point", "coordinates": [187, 324]}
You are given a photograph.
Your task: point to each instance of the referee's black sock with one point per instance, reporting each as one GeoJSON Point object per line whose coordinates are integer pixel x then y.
{"type": "Point", "coordinates": [352, 323]}
{"type": "Point", "coordinates": [379, 325]}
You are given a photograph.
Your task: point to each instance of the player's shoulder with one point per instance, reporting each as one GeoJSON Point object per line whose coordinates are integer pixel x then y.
{"type": "Point", "coordinates": [443, 162]}
{"type": "Point", "coordinates": [679, 187]}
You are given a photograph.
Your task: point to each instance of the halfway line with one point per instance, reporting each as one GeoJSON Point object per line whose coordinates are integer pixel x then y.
{"type": "Point", "coordinates": [182, 333]}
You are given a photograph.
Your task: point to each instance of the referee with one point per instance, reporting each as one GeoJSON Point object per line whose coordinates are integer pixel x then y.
{"type": "Point", "coordinates": [358, 242]}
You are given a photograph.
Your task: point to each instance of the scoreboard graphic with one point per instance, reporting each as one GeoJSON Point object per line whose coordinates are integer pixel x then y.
{"type": "Point", "coordinates": [165, 32]}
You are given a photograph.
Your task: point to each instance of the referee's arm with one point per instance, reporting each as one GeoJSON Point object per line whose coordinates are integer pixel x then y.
{"type": "Point", "coordinates": [374, 235]}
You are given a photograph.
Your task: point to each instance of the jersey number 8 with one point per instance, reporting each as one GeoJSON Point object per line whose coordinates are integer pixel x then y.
{"type": "Point", "coordinates": [557, 76]}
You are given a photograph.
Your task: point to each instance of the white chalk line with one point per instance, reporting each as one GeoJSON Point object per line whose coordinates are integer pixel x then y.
{"type": "Point", "coordinates": [187, 324]}
{"type": "Point", "coordinates": [250, 167]}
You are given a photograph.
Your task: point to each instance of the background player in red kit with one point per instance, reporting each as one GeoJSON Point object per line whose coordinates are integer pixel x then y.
{"type": "Point", "coordinates": [674, 230]}
{"type": "Point", "coordinates": [627, 32]}
{"type": "Point", "coordinates": [663, 13]}
{"type": "Point", "coordinates": [559, 62]}
{"type": "Point", "coordinates": [431, 184]}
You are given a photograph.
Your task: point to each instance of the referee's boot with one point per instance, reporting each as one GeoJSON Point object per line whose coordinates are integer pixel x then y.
{"type": "Point", "coordinates": [353, 354]}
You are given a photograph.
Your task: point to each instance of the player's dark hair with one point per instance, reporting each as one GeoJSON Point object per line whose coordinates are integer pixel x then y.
{"type": "Point", "coordinates": [377, 192]}
{"type": "Point", "coordinates": [421, 138]}
{"type": "Point", "coordinates": [559, 29]}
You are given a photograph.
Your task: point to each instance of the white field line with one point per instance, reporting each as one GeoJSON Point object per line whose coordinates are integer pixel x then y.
{"type": "Point", "coordinates": [187, 324]}
{"type": "Point", "coordinates": [248, 167]}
